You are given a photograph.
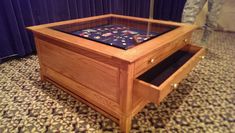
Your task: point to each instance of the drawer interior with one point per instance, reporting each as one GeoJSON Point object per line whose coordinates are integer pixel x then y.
{"type": "Point", "coordinates": [159, 73]}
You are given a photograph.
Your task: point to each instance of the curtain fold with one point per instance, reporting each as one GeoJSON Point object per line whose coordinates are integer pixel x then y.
{"type": "Point", "coordinates": [16, 15]}
{"type": "Point", "coordinates": [139, 8]}
{"type": "Point", "coordinates": [163, 9]}
{"type": "Point", "coordinates": [169, 9]}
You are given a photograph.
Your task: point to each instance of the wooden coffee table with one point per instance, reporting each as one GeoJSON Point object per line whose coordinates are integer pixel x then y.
{"type": "Point", "coordinates": [96, 60]}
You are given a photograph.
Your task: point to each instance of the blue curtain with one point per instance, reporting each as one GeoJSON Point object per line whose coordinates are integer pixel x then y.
{"type": "Point", "coordinates": [15, 15]}
{"type": "Point", "coordinates": [139, 8]}
{"type": "Point", "coordinates": [169, 9]}
{"type": "Point", "coordinates": [163, 9]}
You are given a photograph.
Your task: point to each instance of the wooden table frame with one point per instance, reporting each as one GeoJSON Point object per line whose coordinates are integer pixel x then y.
{"type": "Point", "coordinates": [109, 81]}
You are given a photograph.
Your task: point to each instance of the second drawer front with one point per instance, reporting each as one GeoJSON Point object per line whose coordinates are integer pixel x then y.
{"type": "Point", "coordinates": [158, 82]}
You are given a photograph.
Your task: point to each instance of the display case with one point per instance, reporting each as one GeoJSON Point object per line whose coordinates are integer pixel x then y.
{"type": "Point", "coordinates": [117, 32]}
{"type": "Point", "coordinates": [116, 64]}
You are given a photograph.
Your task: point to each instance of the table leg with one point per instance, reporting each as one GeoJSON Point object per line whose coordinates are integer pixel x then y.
{"type": "Point", "coordinates": [125, 124]}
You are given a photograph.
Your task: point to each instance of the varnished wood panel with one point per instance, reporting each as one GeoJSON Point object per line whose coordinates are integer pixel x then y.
{"type": "Point", "coordinates": [110, 60]}
{"type": "Point", "coordinates": [99, 77]}
{"type": "Point", "coordinates": [84, 92]}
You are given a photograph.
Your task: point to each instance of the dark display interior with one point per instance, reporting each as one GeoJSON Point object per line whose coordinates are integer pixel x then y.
{"type": "Point", "coordinates": [116, 32]}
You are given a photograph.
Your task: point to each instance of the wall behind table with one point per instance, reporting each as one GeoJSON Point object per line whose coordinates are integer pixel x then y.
{"type": "Point", "coordinates": [226, 17]}
{"type": "Point", "coordinates": [226, 21]}
{"type": "Point", "coordinates": [15, 15]}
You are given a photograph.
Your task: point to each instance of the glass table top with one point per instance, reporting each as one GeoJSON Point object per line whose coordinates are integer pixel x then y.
{"type": "Point", "coordinates": [116, 32]}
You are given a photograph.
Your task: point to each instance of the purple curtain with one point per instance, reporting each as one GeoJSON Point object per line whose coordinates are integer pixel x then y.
{"type": "Point", "coordinates": [15, 15]}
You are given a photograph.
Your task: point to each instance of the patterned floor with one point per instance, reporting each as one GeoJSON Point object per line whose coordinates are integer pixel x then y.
{"type": "Point", "coordinates": [204, 102]}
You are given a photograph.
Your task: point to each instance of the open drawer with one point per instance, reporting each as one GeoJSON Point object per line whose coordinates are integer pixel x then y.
{"type": "Point", "coordinates": [159, 81]}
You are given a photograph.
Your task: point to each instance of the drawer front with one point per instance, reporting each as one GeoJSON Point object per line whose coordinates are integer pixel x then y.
{"type": "Point", "coordinates": [100, 78]}
{"type": "Point", "coordinates": [156, 92]}
{"type": "Point", "coordinates": [152, 59]}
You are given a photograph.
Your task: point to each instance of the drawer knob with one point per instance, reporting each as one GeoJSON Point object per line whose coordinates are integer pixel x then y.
{"type": "Point", "coordinates": [186, 40]}
{"type": "Point", "coordinates": [174, 86]}
{"type": "Point", "coordinates": [152, 60]}
{"type": "Point", "coordinates": [202, 57]}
